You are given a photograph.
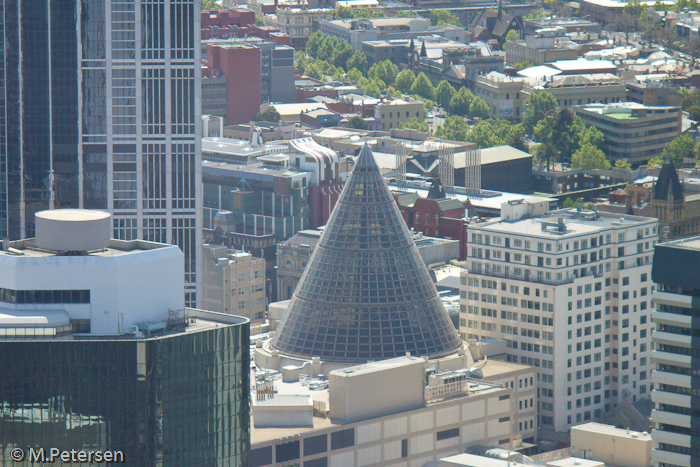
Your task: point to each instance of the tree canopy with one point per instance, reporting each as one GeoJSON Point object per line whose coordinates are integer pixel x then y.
{"type": "Point", "coordinates": [479, 108]}
{"type": "Point", "coordinates": [385, 71]}
{"type": "Point", "coordinates": [357, 60]}
{"type": "Point", "coordinates": [268, 115]}
{"type": "Point", "coordinates": [422, 86]}
{"type": "Point", "coordinates": [461, 101]}
{"type": "Point", "coordinates": [622, 164]}
{"type": "Point", "coordinates": [415, 124]}
{"type": "Point", "coordinates": [455, 128]}
{"type": "Point", "coordinates": [442, 17]}
{"type": "Point", "coordinates": [444, 93]}
{"type": "Point", "coordinates": [356, 122]}
{"type": "Point", "coordinates": [679, 148]}
{"type": "Point", "coordinates": [405, 80]}
{"type": "Point", "coordinates": [589, 157]}
{"type": "Point", "coordinates": [536, 107]}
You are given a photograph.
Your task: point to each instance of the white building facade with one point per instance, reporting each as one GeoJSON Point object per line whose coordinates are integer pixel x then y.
{"type": "Point", "coordinates": [571, 293]}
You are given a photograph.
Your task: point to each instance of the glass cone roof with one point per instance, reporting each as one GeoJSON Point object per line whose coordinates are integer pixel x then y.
{"type": "Point", "coordinates": [366, 293]}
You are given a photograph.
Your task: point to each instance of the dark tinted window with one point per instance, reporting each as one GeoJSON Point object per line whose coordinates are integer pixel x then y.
{"type": "Point", "coordinates": [342, 439]}
{"type": "Point", "coordinates": [315, 445]}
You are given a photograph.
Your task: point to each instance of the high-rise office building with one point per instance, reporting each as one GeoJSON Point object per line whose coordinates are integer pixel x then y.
{"type": "Point", "coordinates": [570, 292]}
{"type": "Point", "coordinates": [676, 433]}
{"type": "Point", "coordinates": [99, 110]}
{"type": "Point", "coordinates": [111, 360]}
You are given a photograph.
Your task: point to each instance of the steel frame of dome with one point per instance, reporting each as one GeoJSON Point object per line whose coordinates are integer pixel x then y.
{"type": "Point", "coordinates": [366, 293]}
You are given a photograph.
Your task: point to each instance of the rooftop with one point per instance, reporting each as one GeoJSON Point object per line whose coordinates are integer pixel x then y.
{"type": "Point", "coordinates": [692, 243]}
{"type": "Point", "coordinates": [26, 324]}
{"type": "Point", "coordinates": [575, 223]}
{"type": "Point", "coordinates": [257, 168]}
{"type": "Point", "coordinates": [611, 430]}
{"type": "Point", "coordinates": [27, 248]}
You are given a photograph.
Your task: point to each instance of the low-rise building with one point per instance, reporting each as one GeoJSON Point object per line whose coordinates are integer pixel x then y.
{"type": "Point", "coordinates": [502, 93]}
{"type": "Point", "coordinates": [571, 90]}
{"type": "Point", "coordinates": [633, 132]}
{"type": "Point", "coordinates": [571, 24]}
{"type": "Point", "coordinates": [234, 282]}
{"type": "Point", "coordinates": [539, 50]}
{"type": "Point", "coordinates": [397, 412]}
{"type": "Point", "coordinates": [618, 446]}
{"type": "Point", "coordinates": [298, 22]}
{"type": "Point", "coordinates": [393, 112]}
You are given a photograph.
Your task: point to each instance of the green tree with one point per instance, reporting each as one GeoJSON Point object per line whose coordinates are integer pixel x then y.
{"type": "Point", "coordinates": [679, 148]}
{"type": "Point", "coordinates": [536, 13]}
{"type": "Point", "coordinates": [343, 12]}
{"type": "Point", "coordinates": [339, 75]}
{"type": "Point", "coordinates": [461, 101]}
{"type": "Point", "coordinates": [314, 42]}
{"type": "Point", "coordinates": [325, 50]}
{"type": "Point", "coordinates": [442, 17]}
{"type": "Point", "coordinates": [354, 75]}
{"type": "Point", "coordinates": [211, 5]}
{"type": "Point", "coordinates": [479, 108]}
{"type": "Point", "coordinates": [341, 54]}
{"type": "Point", "coordinates": [372, 90]}
{"type": "Point", "coordinates": [314, 70]}
{"type": "Point", "coordinates": [589, 157]}
{"type": "Point", "coordinates": [622, 164]}
{"type": "Point", "coordinates": [694, 112]}
{"type": "Point", "coordinates": [380, 84]}
{"type": "Point", "coordinates": [268, 115]}
{"type": "Point", "coordinates": [536, 107]}
{"type": "Point", "coordinates": [655, 161]}
{"type": "Point", "coordinates": [455, 129]}
{"type": "Point", "coordinates": [415, 124]}
{"type": "Point", "coordinates": [405, 80]}
{"type": "Point", "coordinates": [385, 71]}
{"type": "Point", "coordinates": [592, 135]}
{"type": "Point", "coordinates": [444, 93]}
{"type": "Point", "coordinates": [635, 9]}
{"type": "Point", "coordinates": [260, 21]}
{"type": "Point", "coordinates": [492, 132]}
{"type": "Point", "coordinates": [521, 65]}
{"type": "Point", "coordinates": [423, 87]}
{"type": "Point", "coordinates": [357, 60]}
{"type": "Point", "coordinates": [357, 122]}
{"type": "Point", "coordinates": [511, 36]}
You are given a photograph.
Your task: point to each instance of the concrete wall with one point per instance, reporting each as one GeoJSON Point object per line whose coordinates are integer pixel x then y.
{"type": "Point", "coordinates": [121, 286]}
{"type": "Point", "coordinates": [369, 391]}
{"type": "Point", "coordinates": [606, 443]}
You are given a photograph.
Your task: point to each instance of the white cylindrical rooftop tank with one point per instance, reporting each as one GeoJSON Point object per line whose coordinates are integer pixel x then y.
{"type": "Point", "coordinates": [73, 229]}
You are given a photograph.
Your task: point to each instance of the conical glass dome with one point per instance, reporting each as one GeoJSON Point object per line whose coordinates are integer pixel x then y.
{"type": "Point", "coordinates": [366, 293]}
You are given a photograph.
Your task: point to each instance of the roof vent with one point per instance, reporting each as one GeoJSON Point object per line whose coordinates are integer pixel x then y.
{"type": "Point", "coordinates": [73, 230]}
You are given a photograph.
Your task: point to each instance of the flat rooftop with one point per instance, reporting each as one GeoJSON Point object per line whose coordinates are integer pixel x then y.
{"type": "Point", "coordinates": [576, 223]}
{"type": "Point", "coordinates": [27, 248]}
{"type": "Point", "coordinates": [230, 169]}
{"type": "Point", "coordinates": [692, 243]}
{"type": "Point", "coordinates": [192, 320]}
{"type": "Point", "coordinates": [610, 430]}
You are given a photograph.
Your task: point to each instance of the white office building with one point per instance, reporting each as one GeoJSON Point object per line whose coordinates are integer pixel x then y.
{"type": "Point", "coordinates": [570, 291]}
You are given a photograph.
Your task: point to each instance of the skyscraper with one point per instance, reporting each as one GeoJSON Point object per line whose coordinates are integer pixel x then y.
{"type": "Point", "coordinates": [98, 109]}
{"type": "Point", "coordinates": [676, 435]}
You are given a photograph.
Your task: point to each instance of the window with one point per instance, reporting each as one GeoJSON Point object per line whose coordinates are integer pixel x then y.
{"type": "Point", "coordinates": [342, 439]}
{"type": "Point", "coordinates": [447, 434]}
{"type": "Point", "coordinates": [315, 445]}
{"type": "Point", "coordinates": [404, 448]}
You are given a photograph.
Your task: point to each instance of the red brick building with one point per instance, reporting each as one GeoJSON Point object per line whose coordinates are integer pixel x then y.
{"type": "Point", "coordinates": [435, 216]}
{"type": "Point", "coordinates": [241, 66]}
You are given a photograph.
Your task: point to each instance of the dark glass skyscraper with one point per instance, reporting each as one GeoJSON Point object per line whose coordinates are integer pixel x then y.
{"type": "Point", "coordinates": [181, 399]}
{"type": "Point", "coordinates": [98, 111]}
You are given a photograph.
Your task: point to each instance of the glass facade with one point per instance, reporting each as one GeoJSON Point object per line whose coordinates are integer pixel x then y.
{"type": "Point", "coordinates": [39, 124]}
{"type": "Point", "coordinates": [86, 121]}
{"type": "Point", "coordinates": [366, 293]}
{"type": "Point", "coordinates": [177, 400]}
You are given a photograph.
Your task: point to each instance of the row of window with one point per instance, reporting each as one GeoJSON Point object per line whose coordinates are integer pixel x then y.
{"type": "Point", "coordinates": [44, 296]}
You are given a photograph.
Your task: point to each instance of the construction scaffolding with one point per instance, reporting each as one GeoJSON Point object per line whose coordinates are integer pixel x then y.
{"type": "Point", "coordinates": [472, 170]}
{"type": "Point", "coordinates": [401, 159]}
{"type": "Point", "coordinates": [446, 155]}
